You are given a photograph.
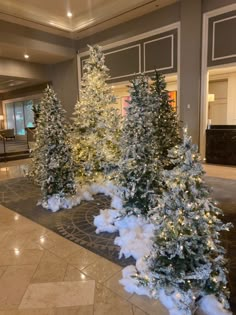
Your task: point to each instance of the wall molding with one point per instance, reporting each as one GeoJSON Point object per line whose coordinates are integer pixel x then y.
{"type": "Point", "coordinates": [122, 49]}
{"type": "Point", "coordinates": [131, 43]}
{"type": "Point", "coordinates": [172, 53]}
{"type": "Point", "coordinates": [118, 50]}
{"type": "Point", "coordinates": [135, 38]}
{"type": "Point", "coordinates": [213, 39]}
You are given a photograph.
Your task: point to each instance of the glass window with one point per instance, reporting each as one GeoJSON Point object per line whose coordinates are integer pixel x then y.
{"type": "Point", "coordinates": [29, 114]}
{"type": "Point", "coordinates": [19, 117]}
{"type": "Point", "coordinates": [10, 116]}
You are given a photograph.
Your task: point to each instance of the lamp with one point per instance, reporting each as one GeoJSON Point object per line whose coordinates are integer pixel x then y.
{"type": "Point", "coordinates": [1, 119]}
{"type": "Point", "coordinates": [211, 97]}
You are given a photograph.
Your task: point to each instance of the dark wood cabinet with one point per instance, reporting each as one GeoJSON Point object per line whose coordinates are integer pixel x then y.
{"type": "Point", "coordinates": [221, 145]}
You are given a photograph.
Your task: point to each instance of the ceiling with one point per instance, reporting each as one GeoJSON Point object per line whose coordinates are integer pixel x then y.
{"type": "Point", "coordinates": [36, 56]}
{"type": "Point", "coordinates": [87, 15]}
{"type": "Point", "coordinates": [11, 83]}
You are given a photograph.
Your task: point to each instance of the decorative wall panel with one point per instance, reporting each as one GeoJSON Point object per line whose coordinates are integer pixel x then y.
{"type": "Point", "coordinates": [144, 55]}
{"type": "Point", "coordinates": [222, 39]}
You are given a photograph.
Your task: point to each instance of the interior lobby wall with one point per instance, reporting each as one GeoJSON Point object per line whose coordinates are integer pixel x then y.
{"type": "Point", "coordinates": [190, 66]}
{"type": "Point", "coordinates": [24, 92]}
{"type": "Point", "coordinates": [64, 77]}
{"type": "Point", "coordinates": [20, 39]}
{"type": "Point", "coordinates": [157, 19]}
{"type": "Point", "coordinates": [22, 69]}
{"type": "Point", "coordinates": [208, 5]}
{"type": "Point", "coordinates": [1, 109]}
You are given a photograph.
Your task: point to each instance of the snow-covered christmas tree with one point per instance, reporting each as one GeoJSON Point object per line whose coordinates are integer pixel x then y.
{"type": "Point", "coordinates": [167, 125]}
{"type": "Point", "coordinates": [150, 130]}
{"type": "Point", "coordinates": [96, 123]}
{"type": "Point", "coordinates": [52, 165]}
{"type": "Point", "coordinates": [187, 260]}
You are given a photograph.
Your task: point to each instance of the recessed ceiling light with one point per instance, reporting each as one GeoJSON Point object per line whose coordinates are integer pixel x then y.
{"type": "Point", "coordinates": [26, 56]}
{"type": "Point", "coordinates": [69, 14]}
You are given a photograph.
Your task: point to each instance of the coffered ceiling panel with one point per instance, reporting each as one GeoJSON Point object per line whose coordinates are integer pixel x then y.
{"type": "Point", "coordinates": [11, 83]}
{"type": "Point", "coordinates": [86, 14]}
{"type": "Point", "coordinates": [37, 56]}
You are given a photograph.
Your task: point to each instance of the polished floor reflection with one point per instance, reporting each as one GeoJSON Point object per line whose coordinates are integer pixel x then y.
{"type": "Point", "coordinates": [42, 273]}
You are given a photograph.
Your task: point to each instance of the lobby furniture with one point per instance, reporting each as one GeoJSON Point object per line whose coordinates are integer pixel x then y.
{"type": "Point", "coordinates": [221, 144]}
{"type": "Point", "coordinates": [7, 133]}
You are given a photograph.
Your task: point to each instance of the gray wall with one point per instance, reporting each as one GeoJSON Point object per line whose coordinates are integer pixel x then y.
{"type": "Point", "coordinates": [62, 75]}
{"type": "Point", "coordinates": [25, 91]}
{"type": "Point", "coordinates": [21, 37]}
{"type": "Point", "coordinates": [209, 5]}
{"type": "Point", "coordinates": [222, 41]}
{"type": "Point", "coordinates": [21, 69]}
{"type": "Point", "coordinates": [145, 55]}
{"type": "Point", "coordinates": [65, 83]}
{"type": "Point", "coordinates": [148, 22]}
{"type": "Point", "coordinates": [190, 65]}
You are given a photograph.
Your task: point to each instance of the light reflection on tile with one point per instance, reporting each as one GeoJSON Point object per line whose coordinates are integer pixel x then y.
{"type": "Point", "coordinates": [29, 312]}
{"type": "Point", "coordinates": [148, 305]}
{"type": "Point", "coordinates": [81, 310]}
{"type": "Point", "coordinates": [73, 274]}
{"type": "Point", "coordinates": [107, 302]}
{"type": "Point", "coordinates": [138, 311]}
{"type": "Point", "coordinates": [82, 258]}
{"type": "Point", "coordinates": [13, 284]}
{"type": "Point", "coordinates": [114, 285]}
{"type": "Point", "coordinates": [20, 257]}
{"type": "Point", "coordinates": [58, 294]}
{"type": "Point", "coordinates": [8, 171]}
{"type": "Point", "coordinates": [51, 268]}
{"type": "Point", "coordinates": [101, 270]}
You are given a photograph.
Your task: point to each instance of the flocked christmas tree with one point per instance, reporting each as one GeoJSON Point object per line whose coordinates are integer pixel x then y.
{"type": "Point", "coordinates": [36, 111]}
{"type": "Point", "coordinates": [167, 126]}
{"type": "Point", "coordinates": [52, 166]}
{"type": "Point", "coordinates": [187, 259]}
{"type": "Point", "coordinates": [96, 122]}
{"type": "Point", "coordinates": [150, 129]}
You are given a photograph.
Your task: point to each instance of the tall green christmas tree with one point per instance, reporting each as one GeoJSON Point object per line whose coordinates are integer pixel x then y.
{"type": "Point", "coordinates": [187, 258]}
{"type": "Point", "coordinates": [52, 165]}
{"type": "Point", "coordinates": [96, 122]}
{"type": "Point", "coordinates": [167, 126]}
{"type": "Point", "coordinates": [150, 129]}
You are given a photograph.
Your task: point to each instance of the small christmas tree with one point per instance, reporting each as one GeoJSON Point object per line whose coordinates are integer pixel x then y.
{"type": "Point", "coordinates": [187, 258]}
{"type": "Point", "coordinates": [52, 166]}
{"type": "Point", "coordinates": [96, 123]}
{"type": "Point", "coordinates": [150, 129]}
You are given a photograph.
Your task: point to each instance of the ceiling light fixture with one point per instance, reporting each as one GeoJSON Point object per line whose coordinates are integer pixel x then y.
{"type": "Point", "coordinates": [26, 56]}
{"type": "Point", "coordinates": [69, 14]}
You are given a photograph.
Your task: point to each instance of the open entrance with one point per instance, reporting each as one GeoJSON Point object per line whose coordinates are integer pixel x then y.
{"type": "Point", "coordinates": [121, 91]}
{"type": "Point", "coordinates": [220, 111]}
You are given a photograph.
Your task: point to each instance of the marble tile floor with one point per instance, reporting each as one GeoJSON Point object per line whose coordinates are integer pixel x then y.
{"type": "Point", "coordinates": [13, 169]}
{"type": "Point", "coordinates": [42, 273]}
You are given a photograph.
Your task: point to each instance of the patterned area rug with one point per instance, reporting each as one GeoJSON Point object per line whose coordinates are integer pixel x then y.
{"type": "Point", "coordinates": [74, 224]}
{"type": "Point", "coordinates": [77, 224]}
